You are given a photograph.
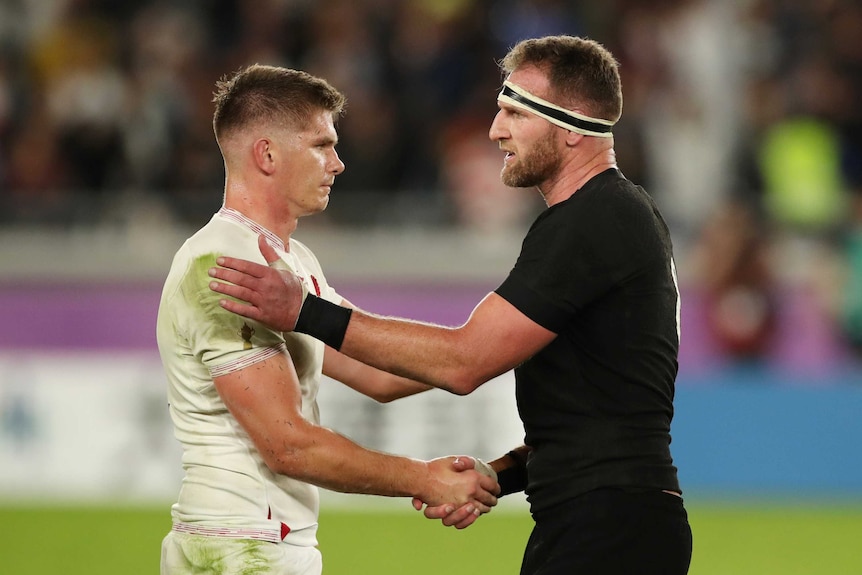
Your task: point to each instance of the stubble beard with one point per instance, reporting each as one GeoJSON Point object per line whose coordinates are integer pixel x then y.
{"type": "Point", "coordinates": [531, 170]}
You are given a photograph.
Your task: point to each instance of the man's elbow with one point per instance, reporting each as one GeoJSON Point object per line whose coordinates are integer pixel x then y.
{"type": "Point", "coordinates": [287, 457]}
{"type": "Point", "coordinates": [386, 396]}
{"type": "Point", "coordinates": [465, 383]}
{"type": "Point", "coordinates": [285, 463]}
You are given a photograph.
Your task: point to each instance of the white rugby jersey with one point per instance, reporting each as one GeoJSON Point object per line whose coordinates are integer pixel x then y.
{"type": "Point", "coordinates": [228, 490]}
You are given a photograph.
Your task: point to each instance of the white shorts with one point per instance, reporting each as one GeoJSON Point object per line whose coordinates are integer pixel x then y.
{"type": "Point", "coordinates": [185, 554]}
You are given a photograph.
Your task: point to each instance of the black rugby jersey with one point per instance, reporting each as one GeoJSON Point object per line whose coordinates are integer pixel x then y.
{"type": "Point", "coordinates": [597, 402]}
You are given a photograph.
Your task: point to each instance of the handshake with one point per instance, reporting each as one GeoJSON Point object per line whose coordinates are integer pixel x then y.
{"type": "Point", "coordinates": [466, 514]}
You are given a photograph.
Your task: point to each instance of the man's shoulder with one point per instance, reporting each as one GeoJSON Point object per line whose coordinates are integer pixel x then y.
{"type": "Point", "coordinates": [304, 253]}
{"type": "Point", "coordinates": [611, 191]}
{"type": "Point", "coordinates": [612, 180]}
{"type": "Point", "coordinates": [223, 237]}
{"type": "Point", "coordinates": [199, 252]}
{"type": "Point", "coordinates": [298, 247]}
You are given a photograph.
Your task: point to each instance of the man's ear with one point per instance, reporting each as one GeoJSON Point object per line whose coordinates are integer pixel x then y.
{"type": "Point", "coordinates": [263, 153]}
{"type": "Point", "coordinates": [573, 138]}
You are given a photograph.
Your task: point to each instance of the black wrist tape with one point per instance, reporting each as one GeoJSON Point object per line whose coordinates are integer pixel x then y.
{"type": "Point", "coordinates": [512, 480]}
{"type": "Point", "coordinates": [518, 457]}
{"type": "Point", "coordinates": [323, 320]}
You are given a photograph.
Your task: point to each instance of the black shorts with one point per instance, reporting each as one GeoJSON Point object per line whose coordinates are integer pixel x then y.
{"type": "Point", "coordinates": [611, 532]}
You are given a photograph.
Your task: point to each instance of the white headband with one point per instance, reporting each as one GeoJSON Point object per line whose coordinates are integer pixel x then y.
{"type": "Point", "coordinates": [520, 98]}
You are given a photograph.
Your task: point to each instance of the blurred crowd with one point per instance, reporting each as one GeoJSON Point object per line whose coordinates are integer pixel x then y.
{"type": "Point", "coordinates": [741, 118]}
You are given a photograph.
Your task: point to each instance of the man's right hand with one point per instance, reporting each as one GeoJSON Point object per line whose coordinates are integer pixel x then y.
{"type": "Point", "coordinates": [465, 515]}
{"type": "Point", "coordinates": [271, 294]}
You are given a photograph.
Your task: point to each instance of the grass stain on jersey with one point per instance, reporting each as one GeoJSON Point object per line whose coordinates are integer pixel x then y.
{"type": "Point", "coordinates": [221, 328]}
{"type": "Point", "coordinates": [206, 557]}
{"type": "Point", "coordinates": [222, 325]}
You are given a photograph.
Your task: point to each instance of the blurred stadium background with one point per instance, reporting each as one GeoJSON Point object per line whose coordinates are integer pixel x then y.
{"type": "Point", "coordinates": [742, 119]}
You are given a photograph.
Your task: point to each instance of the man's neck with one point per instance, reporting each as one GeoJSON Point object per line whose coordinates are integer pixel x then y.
{"type": "Point", "coordinates": [256, 207]}
{"type": "Point", "coordinates": [575, 173]}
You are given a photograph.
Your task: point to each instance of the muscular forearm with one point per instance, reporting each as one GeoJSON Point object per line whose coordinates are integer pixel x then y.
{"type": "Point", "coordinates": [324, 458]}
{"type": "Point", "coordinates": [495, 339]}
{"type": "Point", "coordinates": [435, 355]}
{"type": "Point", "coordinates": [320, 456]}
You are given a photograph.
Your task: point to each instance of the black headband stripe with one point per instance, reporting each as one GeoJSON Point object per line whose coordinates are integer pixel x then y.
{"type": "Point", "coordinates": [556, 114]}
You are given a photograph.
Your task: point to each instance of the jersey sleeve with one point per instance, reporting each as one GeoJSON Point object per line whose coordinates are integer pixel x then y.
{"type": "Point", "coordinates": [566, 262]}
{"type": "Point", "coordinates": [532, 304]}
{"type": "Point", "coordinates": [223, 341]}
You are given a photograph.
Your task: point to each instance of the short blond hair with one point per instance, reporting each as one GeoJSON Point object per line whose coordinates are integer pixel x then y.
{"type": "Point", "coordinates": [272, 94]}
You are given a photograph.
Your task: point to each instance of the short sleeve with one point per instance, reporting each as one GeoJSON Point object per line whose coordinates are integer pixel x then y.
{"type": "Point", "coordinates": [223, 341]}
{"type": "Point", "coordinates": [568, 260]}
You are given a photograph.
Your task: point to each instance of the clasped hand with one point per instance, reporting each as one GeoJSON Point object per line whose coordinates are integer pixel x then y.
{"type": "Point", "coordinates": [465, 515]}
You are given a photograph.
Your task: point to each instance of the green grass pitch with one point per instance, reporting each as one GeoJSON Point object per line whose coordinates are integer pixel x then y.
{"type": "Point", "coordinates": [736, 538]}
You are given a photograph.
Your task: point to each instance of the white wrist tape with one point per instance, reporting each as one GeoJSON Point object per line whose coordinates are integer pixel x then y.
{"type": "Point", "coordinates": [485, 469]}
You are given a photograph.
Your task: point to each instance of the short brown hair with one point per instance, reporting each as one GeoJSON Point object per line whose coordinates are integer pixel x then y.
{"type": "Point", "coordinates": [581, 72]}
{"type": "Point", "coordinates": [271, 93]}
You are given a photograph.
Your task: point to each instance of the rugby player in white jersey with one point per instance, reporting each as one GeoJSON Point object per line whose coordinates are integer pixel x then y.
{"type": "Point", "coordinates": [243, 396]}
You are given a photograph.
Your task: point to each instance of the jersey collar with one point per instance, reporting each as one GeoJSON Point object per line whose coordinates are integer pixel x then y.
{"type": "Point", "coordinates": [235, 216]}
